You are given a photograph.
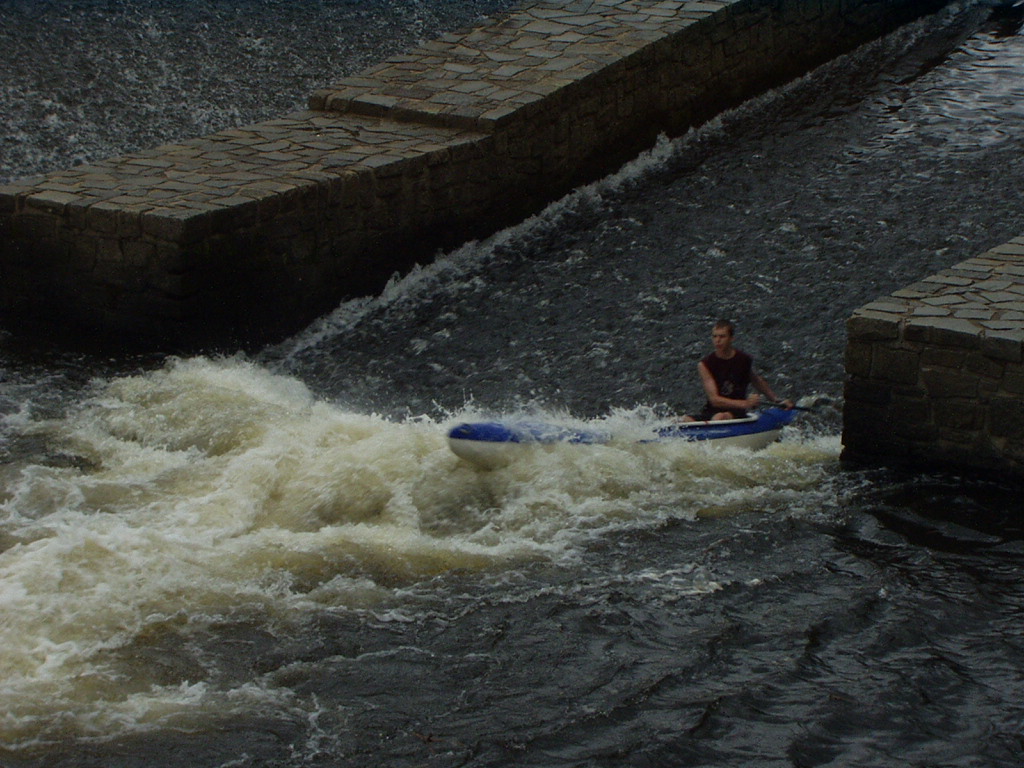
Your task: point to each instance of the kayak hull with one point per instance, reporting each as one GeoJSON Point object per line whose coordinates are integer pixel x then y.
{"type": "Point", "coordinates": [493, 444]}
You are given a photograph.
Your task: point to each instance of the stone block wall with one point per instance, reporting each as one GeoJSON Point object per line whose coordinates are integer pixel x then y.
{"type": "Point", "coordinates": [935, 372]}
{"type": "Point", "coordinates": [232, 235]}
{"type": "Point", "coordinates": [253, 231]}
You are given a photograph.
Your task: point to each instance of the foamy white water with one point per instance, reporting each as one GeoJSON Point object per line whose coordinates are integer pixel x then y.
{"type": "Point", "coordinates": [214, 489]}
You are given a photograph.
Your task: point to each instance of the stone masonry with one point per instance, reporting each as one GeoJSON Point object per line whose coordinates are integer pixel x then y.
{"type": "Point", "coordinates": [936, 370]}
{"type": "Point", "coordinates": [253, 231]}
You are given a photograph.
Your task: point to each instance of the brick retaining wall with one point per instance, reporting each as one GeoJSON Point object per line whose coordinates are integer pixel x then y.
{"type": "Point", "coordinates": [936, 370]}
{"type": "Point", "coordinates": [254, 231]}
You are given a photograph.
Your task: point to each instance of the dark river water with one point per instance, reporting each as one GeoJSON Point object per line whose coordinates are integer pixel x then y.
{"type": "Point", "coordinates": [273, 559]}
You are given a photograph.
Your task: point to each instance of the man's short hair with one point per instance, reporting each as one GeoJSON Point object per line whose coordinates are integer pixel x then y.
{"type": "Point", "coordinates": [727, 325]}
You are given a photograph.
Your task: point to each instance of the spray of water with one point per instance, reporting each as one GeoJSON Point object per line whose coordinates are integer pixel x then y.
{"type": "Point", "coordinates": [213, 488]}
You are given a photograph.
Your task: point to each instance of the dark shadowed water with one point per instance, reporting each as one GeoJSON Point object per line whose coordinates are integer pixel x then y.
{"type": "Point", "coordinates": [275, 560]}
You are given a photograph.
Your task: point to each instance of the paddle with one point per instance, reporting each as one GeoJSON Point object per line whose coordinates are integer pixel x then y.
{"type": "Point", "coordinates": [780, 404]}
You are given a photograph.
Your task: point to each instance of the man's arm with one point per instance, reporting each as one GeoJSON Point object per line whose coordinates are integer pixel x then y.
{"type": "Point", "coordinates": [762, 386]}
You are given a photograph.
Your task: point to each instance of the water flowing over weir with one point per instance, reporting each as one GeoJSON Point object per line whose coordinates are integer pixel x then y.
{"type": "Point", "coordinates": [247, 233]}
{"type": "Point", "coordinates": [274, 559]}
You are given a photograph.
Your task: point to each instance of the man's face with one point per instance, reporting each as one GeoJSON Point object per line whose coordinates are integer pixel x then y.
{"type": "Point", "coordinates": [722, 339]}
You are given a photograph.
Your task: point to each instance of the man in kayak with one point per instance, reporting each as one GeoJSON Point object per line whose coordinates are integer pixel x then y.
{"type": "Point", "coordinates": [726, 374]}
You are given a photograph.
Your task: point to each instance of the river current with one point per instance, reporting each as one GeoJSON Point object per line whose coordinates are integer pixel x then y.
{"type": "Point", "coordinates": [271, 558]}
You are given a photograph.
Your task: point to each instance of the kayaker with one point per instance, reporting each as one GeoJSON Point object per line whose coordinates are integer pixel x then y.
{"type": "Point", "coordinates": [726, 374]}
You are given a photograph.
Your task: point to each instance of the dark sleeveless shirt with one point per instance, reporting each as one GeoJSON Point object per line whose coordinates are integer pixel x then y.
{"type": "Point", "coordinates": [731, 376]}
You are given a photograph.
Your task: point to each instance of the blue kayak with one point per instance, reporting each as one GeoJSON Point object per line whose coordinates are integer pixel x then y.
{"type": "Point", "coordinates": [492, 444]}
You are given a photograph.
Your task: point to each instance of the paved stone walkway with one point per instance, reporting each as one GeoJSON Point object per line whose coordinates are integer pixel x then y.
{"type": "Point", "coordinates": [234, 167]}
{"type": "Point", "coordinates": [439, 95]}
{"type": "Point", "coordinates": [981, 297]}
{"type": "Point", "coordinates": [477, 79]}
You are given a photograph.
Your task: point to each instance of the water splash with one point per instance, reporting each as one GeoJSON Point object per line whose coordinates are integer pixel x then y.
{"type": "Point", "coordinates": [214, 488]}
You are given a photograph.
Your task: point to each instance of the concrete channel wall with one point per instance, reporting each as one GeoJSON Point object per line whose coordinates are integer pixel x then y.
{"type": "Point", "coordinates": [935, 372]}
{"type": "Point", "coordinates": [251, 232]}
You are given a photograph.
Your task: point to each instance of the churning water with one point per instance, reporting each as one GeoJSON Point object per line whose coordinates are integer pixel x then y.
{"type": "Point", "coordinates": [274, 559]}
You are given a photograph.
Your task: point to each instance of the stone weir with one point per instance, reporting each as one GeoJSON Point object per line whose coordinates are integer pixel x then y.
{"type": "Point", "coordinates": [935, 372]}
{"type": "Point", "coordinates": [251, 232]}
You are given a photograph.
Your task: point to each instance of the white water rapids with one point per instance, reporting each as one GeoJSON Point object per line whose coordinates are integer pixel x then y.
{"type": "Point", "coordinates": [213, 490]}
